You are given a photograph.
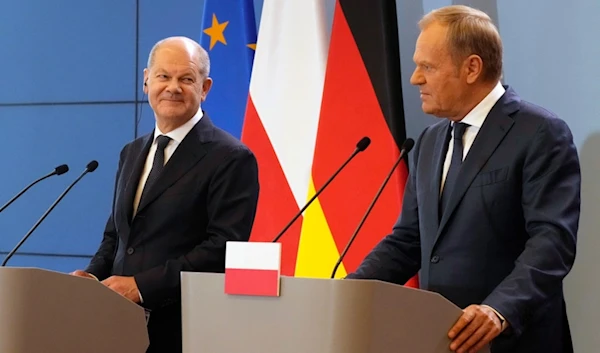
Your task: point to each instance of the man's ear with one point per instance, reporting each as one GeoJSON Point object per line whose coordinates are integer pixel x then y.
{"type": "Point", "coordinates": [206, 86]}
{"type": "Point", "coordinates": [145, 86]}
{"type": "Point", "coordinates": [474, 68]}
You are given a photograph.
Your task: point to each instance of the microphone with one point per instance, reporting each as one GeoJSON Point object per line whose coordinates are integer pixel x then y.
{"type": "Point", "coordinates": [88, 169]}
{"type": "Point", "coordinates": [360, 146]}
{"type": "Point", "coordinates": [61, 169]}
{"type": "Point", "coordinates": [406, 147]}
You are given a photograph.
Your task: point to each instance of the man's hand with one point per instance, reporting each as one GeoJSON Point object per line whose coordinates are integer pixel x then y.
{"type": "Point", "coordinates": [477, 326]}
{"type": "Point", "coordinates": [125, 286]}
{"type": "Point", "coordinates": [80, 273]}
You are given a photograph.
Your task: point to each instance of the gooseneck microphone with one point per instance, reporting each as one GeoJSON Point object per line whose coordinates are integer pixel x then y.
{"type": "Point", "coordinates": [88, 169]}
{"type": "Point", "coordinates": [360, 146]}
{"type": "Point", "coordinates": [406, 147]}
{"type": "Point", "coordinates": [61, 169]}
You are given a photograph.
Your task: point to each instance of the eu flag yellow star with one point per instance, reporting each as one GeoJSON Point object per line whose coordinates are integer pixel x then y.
{"type": "Point", "coordinates": [215, 32]}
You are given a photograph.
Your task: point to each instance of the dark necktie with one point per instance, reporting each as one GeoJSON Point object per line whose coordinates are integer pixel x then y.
{"type": "Point", "coordinates": [455, 163]}
{"type": "Point", "coordinates": [158, 165]}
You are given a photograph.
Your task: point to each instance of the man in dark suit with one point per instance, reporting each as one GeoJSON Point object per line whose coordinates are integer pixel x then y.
{"type": "Point", "coordinates": [491, 207]}
{"type": "Point", "coordinates": [181, 192]}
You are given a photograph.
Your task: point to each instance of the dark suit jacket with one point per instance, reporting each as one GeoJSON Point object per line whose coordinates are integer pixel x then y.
{"type": "Point", "coordinates": [508, 236]}
{"type": "Point", "coordinates": [206, 195]}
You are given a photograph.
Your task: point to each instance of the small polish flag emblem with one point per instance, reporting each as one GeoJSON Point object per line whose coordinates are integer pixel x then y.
{"type": "Point", "coordinates": [252, 268]}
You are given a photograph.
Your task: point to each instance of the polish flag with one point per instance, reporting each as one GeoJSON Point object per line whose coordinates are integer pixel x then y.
{"type": "Point", "coordinates": [252, 268]}
{"type": "Point", "coordinates": [281, 121]}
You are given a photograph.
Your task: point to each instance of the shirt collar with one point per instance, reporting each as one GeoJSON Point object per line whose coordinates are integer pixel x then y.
{"type": "Point", "coordinates": [181, 132]}
{"type": "Point", "coordinates": [477, 115]}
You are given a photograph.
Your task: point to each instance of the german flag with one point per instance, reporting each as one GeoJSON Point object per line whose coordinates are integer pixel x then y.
{"type": "Point", "coordinates": [361, 96]}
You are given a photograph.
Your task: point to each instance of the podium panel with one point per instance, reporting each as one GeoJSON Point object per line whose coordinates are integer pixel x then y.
{"type": "Point", "coordinates": [314, 316]}
{"type": "Point", "coordinates": [52, 312]}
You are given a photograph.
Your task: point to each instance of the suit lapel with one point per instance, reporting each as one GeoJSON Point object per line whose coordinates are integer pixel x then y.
{"type": "Point", "coordinates": [133, 179]}
{"type": "Point", "coordinates": [187, 154]}
{"type": "Point", "coordinates": [492, 132]}
{"type": "Point", "coordinates": [439, 154]}
{"type": "Point", "coordinates": [489, 137]}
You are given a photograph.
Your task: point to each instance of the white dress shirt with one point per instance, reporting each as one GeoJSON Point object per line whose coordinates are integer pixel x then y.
{"type": "Point", "coordinates": [176, 136]}
{"type": "Point", "coordinates": [474, 119]}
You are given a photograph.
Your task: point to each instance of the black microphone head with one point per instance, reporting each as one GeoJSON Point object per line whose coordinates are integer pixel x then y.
{"type": "Point", "coordinates": [61, 169]}
{"type": "Point", "coordinates": [408, 145]}
{"type": "Point", "coordinates": [363, 143]}
{"type": "Point", "coordinates": [92, 166]}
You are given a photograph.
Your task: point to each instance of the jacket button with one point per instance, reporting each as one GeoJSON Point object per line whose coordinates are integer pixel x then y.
{"type": "Point", "coordinates": [130, 251]}
{"type": "Point", "coordinates": [435, 259]}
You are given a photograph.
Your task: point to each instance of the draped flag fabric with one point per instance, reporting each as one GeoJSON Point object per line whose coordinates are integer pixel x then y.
{"type": "Point", "coordinates": [283, 114]}
{"type": "Point", "coordinates": [310, 102]}
{"type": "Point", "coordinates": [229, 36]}
{"type": "Point", "coordinates": [362, 95]}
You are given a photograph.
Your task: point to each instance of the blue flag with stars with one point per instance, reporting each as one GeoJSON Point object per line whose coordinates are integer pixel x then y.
{"type": "Point", "coordinates": [229, 37]}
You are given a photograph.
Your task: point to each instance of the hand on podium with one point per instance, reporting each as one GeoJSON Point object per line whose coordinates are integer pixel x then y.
{"type": "Point", "coordinates": [476, 327]}
{"type": "Point", "coordinates": [80, 273]}
{"type": "Point", "coordinates": [126, 286]}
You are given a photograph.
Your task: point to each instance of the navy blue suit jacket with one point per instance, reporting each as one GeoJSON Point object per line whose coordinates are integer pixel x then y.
{"type": "Point", "coordinates": [205, 196]}
{"type": "Point", "coordinates": [508, 236]}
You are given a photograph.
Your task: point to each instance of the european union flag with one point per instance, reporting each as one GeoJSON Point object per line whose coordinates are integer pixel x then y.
{"type": "Point", "coordinates": [229, 36]}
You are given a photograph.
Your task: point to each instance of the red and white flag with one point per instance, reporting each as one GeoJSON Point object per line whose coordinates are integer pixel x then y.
{"type": "Point", "coordinates": [252, 268]}
{"type": "Point", "coordinates": [312, 97]}
{"type": "Point", "coordinates": [282, 117]}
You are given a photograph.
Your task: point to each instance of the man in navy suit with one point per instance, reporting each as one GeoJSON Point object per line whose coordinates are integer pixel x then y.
{"type": "Point", "coordinates": [491, 207]}
{"type": "Point", "coordinates": [181, 192]}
